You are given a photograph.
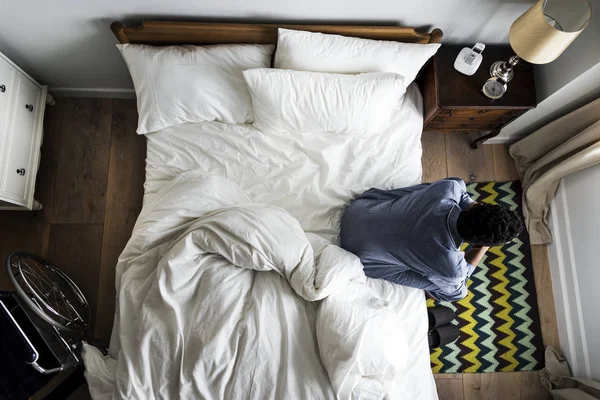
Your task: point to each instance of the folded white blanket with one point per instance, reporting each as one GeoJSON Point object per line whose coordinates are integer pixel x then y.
{"type": "Point", "coordinates": [217, 299]}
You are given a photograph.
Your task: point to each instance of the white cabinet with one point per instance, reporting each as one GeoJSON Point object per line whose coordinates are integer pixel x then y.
{"type": "Point", "coordinates": [22, 106]}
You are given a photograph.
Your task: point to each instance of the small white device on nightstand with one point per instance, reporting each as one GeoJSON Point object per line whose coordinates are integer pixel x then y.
{"type": "Point", "coordinates": [469, 60]}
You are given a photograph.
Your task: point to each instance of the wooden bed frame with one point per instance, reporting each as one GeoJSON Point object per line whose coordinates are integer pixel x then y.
{"type": "Point", "coordinates": [199, 33]}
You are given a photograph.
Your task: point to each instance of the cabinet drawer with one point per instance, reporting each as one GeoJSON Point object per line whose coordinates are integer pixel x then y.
{"type": "Point", "coordinates": [7, 74]}
{"type": "Point", "coordinates": [18, 157]}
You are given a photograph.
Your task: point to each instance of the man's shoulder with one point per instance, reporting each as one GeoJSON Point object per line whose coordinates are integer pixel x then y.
{"type": "Point", "coordinates": [450, 183]}
{"type": "Point", "coordinates": [451, 188]}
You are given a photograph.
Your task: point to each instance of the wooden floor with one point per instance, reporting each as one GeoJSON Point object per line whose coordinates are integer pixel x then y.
{"type": "Point", "coordinates": [91, 185]}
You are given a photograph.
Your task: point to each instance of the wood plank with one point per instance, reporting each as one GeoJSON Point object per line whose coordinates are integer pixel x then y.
{"type": "Point", "coordinates": [82, 393]}
{"type": "Point", "coordinates": [19, 231]}
{"type": "Point", "coordinates": [50, 386]}
{"type": "Point", "coordinates": [46, 176]}
{"type": "Point", "coordinates": [448, 376]}
{"type": "Point", "coordinates": [76, 250]}
{"type": "Point", "coordinates": [434, 156]}
{"type": "Point", "coordinates": [504, 385]}
{"type": "Point", "coordinates": [50, 154]}
{"type": "Point", "coordinates": [124, 196]}
{"type": "Point", "coordinates": [545, 297]}
{"type": "Point", "coordinates": [466, 163]}
{"type": "Point", "coordinates": [505, 168]}
{"type": "Point", "coordinates": [82, 165]}
{"type": "Point", "coordinates": [449, 386]}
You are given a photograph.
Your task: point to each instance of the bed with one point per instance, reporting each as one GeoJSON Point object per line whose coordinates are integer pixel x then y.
{"type": "Point", "coordinates": [211, 177]}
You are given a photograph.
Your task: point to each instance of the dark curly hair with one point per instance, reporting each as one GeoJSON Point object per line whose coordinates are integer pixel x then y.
{"type": "Point", "coordinates": [488, 225]}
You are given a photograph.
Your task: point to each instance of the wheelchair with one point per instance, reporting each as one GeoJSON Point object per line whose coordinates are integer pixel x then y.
{"type": "Point", "coordinates": [45, 321]}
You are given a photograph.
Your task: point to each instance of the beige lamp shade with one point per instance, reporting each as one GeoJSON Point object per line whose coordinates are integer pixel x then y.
{"type": "Point", "coordinates": [544, 31]}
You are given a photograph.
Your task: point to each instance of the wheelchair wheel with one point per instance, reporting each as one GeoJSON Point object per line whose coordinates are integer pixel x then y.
{"type": "Point", "coordinates": [49, 292]}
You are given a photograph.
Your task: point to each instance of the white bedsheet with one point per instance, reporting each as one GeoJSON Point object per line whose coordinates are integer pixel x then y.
{"type": "Point", "coordinates": [313, 177]}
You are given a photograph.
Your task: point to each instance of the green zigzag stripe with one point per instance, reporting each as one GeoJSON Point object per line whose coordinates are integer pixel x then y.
{"type": "Point", "coordinates": [471, 189]}
{"type": "Point", "coordinates": [453, 358]}
{"type": "Point", "coordinates": [525, 308]}
{"type": "Point", "coordinates": [509, 198]}
{"type": "Point", "coordinates": [486, 314]}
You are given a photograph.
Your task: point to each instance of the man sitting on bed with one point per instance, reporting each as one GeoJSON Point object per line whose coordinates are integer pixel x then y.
{"type": "Point", "coordinates": [412, 236]}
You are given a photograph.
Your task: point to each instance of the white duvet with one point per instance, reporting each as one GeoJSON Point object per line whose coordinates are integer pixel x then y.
{"type": "Point", "coordinates": [312, 176]}
{"type": "Point", "coordinates": [232, 286]}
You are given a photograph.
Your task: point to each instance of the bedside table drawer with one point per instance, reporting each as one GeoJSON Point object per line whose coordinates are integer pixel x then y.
{"type": "Point", "coordinates": [471, 119]}
{"type": "Point", "coordinates": [463, 126]}
{"type": "Point", "coordinates": [478, 114]}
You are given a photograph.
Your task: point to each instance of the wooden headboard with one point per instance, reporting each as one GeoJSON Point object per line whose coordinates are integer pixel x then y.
{"type": "Point", "coordinates": [198, 33]}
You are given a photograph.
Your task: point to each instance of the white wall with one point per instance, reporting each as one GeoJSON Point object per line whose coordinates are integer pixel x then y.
{"type": "Point", "coordinates": [580, 56]}
{"type": "Point", "coordinates": [575, 268]}
{"type": "Point", "coordinates": [68, 43]}
{"type": "Point", "coordinates": [578, 92]}
{"type": "Point", "coordinates": [565, 84]}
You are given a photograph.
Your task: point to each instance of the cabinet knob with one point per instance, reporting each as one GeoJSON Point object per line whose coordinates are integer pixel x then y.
{"type": "Point", "coordinates": [463, 125]}
{"type": "Point", "coordinates": [471, 118]}
{"type": "Point", "coordinates": [29, 107]}
{"type": "Point", "coordinates": [2, 88]}
{"type": "Point", "coordinates": [21, 171]}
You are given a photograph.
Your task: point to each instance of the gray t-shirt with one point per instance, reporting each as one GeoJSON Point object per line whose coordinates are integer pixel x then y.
{"type": "Point", "coordinates": [409, 236]}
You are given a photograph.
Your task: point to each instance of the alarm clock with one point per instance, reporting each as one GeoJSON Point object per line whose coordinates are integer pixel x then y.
{"type": "Point", "coordinates": [494, 88]}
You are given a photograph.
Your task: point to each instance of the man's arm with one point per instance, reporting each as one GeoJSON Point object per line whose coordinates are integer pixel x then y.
{"type": "Point", "coordinates": [453, 289]}
{"type": "Point", "coordinates": [475, 255]}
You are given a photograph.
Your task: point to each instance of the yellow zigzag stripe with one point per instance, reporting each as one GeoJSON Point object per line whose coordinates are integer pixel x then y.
{"type": "Point", "coordinates": [435, 360]}
{"type": "Point", "coordinates": [506, 308]}
{"type": "Point", "coordinates": [467, 315]}
{"type": "Point", "coordinates": [490, 189]}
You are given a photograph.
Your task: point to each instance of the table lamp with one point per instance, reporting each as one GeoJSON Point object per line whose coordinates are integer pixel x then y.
{"type": "Point", "coordinates": [543, 32]}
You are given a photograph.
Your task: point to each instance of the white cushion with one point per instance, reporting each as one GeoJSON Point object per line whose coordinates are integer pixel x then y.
{"type": "Point", "coordinates": [178, 84]}
{"type": "Point", "coordinates": [308, 51]}
{"type": "Point", "coordinates": [312, 102]}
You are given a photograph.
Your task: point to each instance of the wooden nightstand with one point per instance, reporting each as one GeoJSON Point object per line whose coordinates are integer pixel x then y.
{"type": "Point", "coordinates": [454, 102]}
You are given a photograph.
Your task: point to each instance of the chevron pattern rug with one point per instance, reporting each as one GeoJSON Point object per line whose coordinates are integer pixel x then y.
{"type": "Point", "coordinates": [499, 319]}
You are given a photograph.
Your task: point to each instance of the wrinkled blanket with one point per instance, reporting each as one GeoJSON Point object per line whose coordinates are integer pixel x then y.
{"type": "Point", "coordinates": [219, 297]}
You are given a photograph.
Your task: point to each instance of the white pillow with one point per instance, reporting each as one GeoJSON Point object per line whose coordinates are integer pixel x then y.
{"type": "Point", "coordinates": [312, 102]}
{"type": "Point", "coordinates": [308, 51]}
{"type": "Point", "coordinates": [178, 84]}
